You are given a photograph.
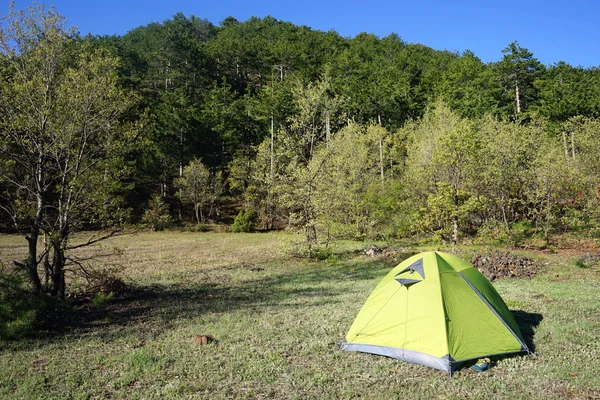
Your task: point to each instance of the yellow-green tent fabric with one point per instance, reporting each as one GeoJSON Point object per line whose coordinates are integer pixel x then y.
{"type": "Point", "coordinates": [437, 310]}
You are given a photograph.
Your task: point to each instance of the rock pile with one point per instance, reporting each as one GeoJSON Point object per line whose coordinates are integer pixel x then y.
{"type": "Point", "coordinates": [501, 265]}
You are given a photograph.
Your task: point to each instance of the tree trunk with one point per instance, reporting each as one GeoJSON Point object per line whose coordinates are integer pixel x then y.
{"type": "Point", "coordinates": [504, 219]}
{"type": "Point", "coordinates": [573, 144]}
{"type": "Point", "coordinates": [517, 96]}
{"type": "Point", "coordinates": [58, 269]}
{"type": "Point", "coordinates": [455, 229]}
{"type": "Point", "coordinates": [272, 147]}
{"type": "Point", "coordinates": [327, 129]}
{"type": "Point", "coordinates": [381, 151]}
{"type": "Point", "coordinates": [46, 261]}
{"type": "Point", "coordinates": [455, 220]}
{"type": "Point", "coordinates": [548, 219]}
{"type": "Point", "coordinates": [180, 210]}
{"type": "Point", "coordinates": [309, 218]}
{"type": "Point", "coordinates": [31, 264]}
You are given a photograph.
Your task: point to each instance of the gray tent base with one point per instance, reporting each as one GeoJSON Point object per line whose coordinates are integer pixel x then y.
{"type": "Point", "coordinates": [445, 363]}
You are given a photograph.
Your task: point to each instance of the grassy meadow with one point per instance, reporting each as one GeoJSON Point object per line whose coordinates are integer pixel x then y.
{"type": "Point", "coordinates": [277, 322]}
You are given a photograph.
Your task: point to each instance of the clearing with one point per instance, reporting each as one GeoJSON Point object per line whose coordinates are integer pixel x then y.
{"type": "Point", "coordinates": [277, 321]}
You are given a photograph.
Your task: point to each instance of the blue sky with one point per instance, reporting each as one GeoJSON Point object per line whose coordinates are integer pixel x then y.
{"type": "Point", "coordinates": [553, 30]}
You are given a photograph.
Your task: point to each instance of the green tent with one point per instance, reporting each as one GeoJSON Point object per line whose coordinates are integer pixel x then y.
{"type": "Point", "coordinates": [436, 310]}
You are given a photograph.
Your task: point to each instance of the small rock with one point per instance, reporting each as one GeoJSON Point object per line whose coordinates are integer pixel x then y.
{"type": "Point", "coordinates": [203, 339]}
{"type": "Point", "coordinates": [373, 250]}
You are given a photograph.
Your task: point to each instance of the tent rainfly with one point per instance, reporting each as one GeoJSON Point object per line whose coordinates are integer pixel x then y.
{"type": "Point", "coordinates": [437, 310]}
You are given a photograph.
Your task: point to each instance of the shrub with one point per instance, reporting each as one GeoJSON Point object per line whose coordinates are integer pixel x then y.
{"type": "Point", "coordinates": [244, 222]}
{"type": "Point", "coordinates": [198, 227]}
{"type": "Point", "coordinates": [18, 307]}
{"type": "Point", "coordinates": [157, 214]}
{"type": "Point", "coordinates": [324, 253]}
{"type": "Point", "coordinates": [101, 299]}
{"type": "Point", "coordinates": [520, 231]}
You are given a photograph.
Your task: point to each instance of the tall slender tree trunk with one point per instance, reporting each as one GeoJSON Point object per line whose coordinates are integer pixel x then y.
{"type": "Point", "coordinates": [548, 216]}
{"type": "Point", "coordinates": [31, 263]}
{"type": "Point", "coordinates": [503, 206]}
{"type": "Point", "coordinates": [517, 96]}
{"type": "Point", "coordinates": [269, 210]}
{"type": "Point", "coordinates": [237, 77]}
{"type": "Point", "coordinates": [46, 260]}
{"type": "Point", "coordinates": [309, 219]}
{"type": "Point", "coordinates": [327, 128]}
{"type": "Point", "coordinates": [58, 268]}
{"type": "Point", "coordinates": [381, 152]}
{"type": "Point", "coordinates": [272, 148]}
{"type": "Point", "coordinates": [455, 220]}
{"type": "Point", "coordinates": [180, 210]}
{"type": "Point", "coordinates": [573, 144]}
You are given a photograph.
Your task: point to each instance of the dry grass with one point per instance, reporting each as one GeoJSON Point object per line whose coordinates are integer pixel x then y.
{"type": "Point", "coordinates": [154, 256]}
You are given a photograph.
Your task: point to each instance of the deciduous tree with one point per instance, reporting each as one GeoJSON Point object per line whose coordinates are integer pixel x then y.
{"type": "Point", "coordinates": [61, 132]}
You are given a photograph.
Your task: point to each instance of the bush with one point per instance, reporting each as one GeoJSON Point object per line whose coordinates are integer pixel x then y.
{"type": "Point", "coordinates": [586, 261]}
{"type": "Point", "coordinates": [157, 214]}
{"type": "Point", "coordinates": [244, 222]}
{"type": "Point", "coordinates": [519, 231]}
{"type": "Point", "coordinates": [323, 253]}
{"type": "Point", "coordinates": [100, 300]}
{"type": "Point", "coordinates": [201, 228]}
{"type": "Point", "coordinates": [18, 307]}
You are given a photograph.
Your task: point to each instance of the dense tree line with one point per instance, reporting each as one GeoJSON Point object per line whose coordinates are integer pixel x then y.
{"type": "Point", "coordinates": [269, 108]}
{"type": "Point", "coordinates": [186, 121]}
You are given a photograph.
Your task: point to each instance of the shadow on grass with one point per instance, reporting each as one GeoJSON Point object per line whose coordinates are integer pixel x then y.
{"type": "Point", "coordinates": [146, 312]}
{"type": "Point", "coordinates": [527, 322]}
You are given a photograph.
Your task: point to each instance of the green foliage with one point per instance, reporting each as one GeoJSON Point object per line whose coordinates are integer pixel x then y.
{"type": "Point", "coordinates": [18, 307]}
{"type": "Point", "coordinates": [443, 170]}
{"type": "Point", "coordinates": [518, 70]}
{"type": "Point", "coordinates": [520, 231]}
{"type": "Point", "coordinates": [157, 214]}
{"type": "Point", "coordinates": [323, 253]}
{"type": "Point", "coordinates": [582, 263]}
{"type": "Point", "coordinates": [198, 228]}
{"type": "Point", "coordinates": [195, 187]}
{"type": "Point", "coordinates": [467, 87]}
{"type": "Point", "coordinates": [66, 129]}
{"type": "Point", "coordinates": [245, 221]}
{"type": "Point", "coordinates": [100, 299]}
{"type": "Point", "coordinates": [267, 107]}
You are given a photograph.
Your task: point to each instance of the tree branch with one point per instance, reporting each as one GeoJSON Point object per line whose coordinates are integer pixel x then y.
{"type": "Point", "coordinates": [92, 240]}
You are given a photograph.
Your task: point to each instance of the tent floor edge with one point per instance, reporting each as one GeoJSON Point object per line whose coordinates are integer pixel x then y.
{"type": "Point", "coordinates": [460, 363]}
{"type": "Point", "coordinates": [441, 363]}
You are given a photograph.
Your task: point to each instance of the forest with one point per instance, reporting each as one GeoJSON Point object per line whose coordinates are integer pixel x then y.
{"type": "Point", "coordinates": [201, 210]}
{"type": "Point", "coordinates": [186, 123]}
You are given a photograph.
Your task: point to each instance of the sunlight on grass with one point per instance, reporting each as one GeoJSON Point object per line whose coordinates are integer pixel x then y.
{"type": "Point", "coordinates": [277, 323]}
